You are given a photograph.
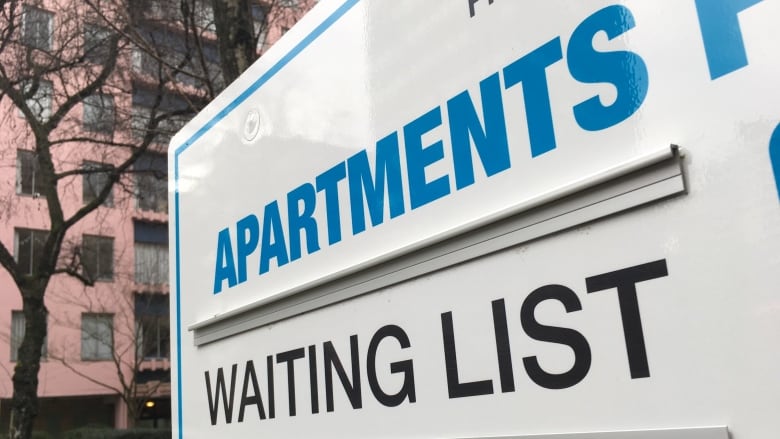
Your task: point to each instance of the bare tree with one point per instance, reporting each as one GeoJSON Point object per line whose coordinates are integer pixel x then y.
{"type": "Point", "coordinates": [97, 58]}
{"type": "Point", "coordinates": [122, 339]}
{"type": "Point", "coordinates": [243, 27]}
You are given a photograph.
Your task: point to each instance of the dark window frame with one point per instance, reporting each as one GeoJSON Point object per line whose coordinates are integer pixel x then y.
{"type": "Point", "coordinates": [37, 38]}
{"type": "Point", "coordinates": [151, 182]}
{"type": "Point", "coordinates": [36, 236]}
{"type": "Point", "coordinates": [93, 182]}
{"type": "Point", "coordinates": [42, 101]}
{"type": "Point", "coordinates": [151, 240]}
{"type": "Point", "coordinates": [99, 113]}
{"type": "Point", "coordinates": [28, 174]}
{"type": "Point", "coordinates": [96, 40]}
{"type": "Point", "coordinates": [99, 249]}
{"type": "Point", "coordinates": [15, 338]}
{"type": "Point", "coordinates": [153, 326]}
{"type": "Point", "coordinates": [92, 336]}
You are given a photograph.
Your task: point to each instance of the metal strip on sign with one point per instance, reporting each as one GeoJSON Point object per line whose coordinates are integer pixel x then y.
{"type": "Point", "coordinates": [720, 432]}
{"type": "Point", "coordinates": [651, 178]}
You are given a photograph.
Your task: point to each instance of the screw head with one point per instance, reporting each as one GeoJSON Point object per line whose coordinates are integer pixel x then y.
{"type": "Point", "coordinates": [252, 125]}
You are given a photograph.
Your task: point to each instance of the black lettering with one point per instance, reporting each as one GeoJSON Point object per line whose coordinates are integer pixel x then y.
{"type": "Point", "coordinates": [220, 389]}
{"type": "Point", "coordinates": [315, 396]}
{"type": "Point", "coordinates": [472, 10]}
{"type": "Point", "coordinates": [269, 360]}
{"type": "Point", "coordinates": [455, 388]}
{"type": "Point", "coordinates": [289, 357]}
{"type": "Point", "coordinates": [332, 361]}
{"type": "Point", "coordinates": [625, 281]}
{"type": "Point", "coordinates": [405, 367]}
{"type": "Point", "coordinates": [566, 336]}
{"type": "Point", "coordinates": [249, 374]}
{"type": "Point", "coordinates": [502, 346]}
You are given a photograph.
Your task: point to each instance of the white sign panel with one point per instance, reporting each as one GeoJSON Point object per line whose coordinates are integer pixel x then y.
{"type": "Point", "coordinates": [375, 131]}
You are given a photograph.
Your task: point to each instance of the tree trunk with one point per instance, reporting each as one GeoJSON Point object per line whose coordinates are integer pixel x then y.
{"type": "Point", "coordinates": [24, 405]}
{"type": "Point", "coordinates": [237, 44]}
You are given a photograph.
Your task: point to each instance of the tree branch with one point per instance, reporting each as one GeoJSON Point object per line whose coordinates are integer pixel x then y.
{"type": "Point", "coordinates": [9, 263]}
{"type": "Point", "coordinates": [72, 272]}
{"type": "Point", "coordinates": [105, 72]}
{"type": "Point", "coordinates": [86, 376]}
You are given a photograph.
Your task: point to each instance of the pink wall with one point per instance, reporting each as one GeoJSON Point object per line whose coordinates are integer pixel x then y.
{"type": "Point", "coordinates": [63, 373]}
{"type": "Point", "coordinates": [66, 297]}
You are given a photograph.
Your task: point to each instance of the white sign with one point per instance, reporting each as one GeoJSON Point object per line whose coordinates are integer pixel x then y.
{"type": "Point", "coordinates": [399, 161]}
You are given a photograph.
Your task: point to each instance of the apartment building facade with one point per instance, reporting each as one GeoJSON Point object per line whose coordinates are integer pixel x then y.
{"type": "Point", "coordinates": [106, 357]}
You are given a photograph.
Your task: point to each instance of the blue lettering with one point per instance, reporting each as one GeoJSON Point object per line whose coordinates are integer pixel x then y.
{"type": "Point", "coordinates": [302, 220]}
{"type": "Point", "coordinates": [722, 35]}
{"type": "Point", "coordinates": [625, 70]}
{"type": "Point", "coordinates": [226, 267]}
{"type": "Point", "coordinates": [328, 182]}
{"type": "Point", "coordinates": [531, 71]}
{"type": "Point", "coordinates": [477, 127]}
{"type": "Point", "coordinates": [491, 142]}
{"type": "Point", "coordinates": [388, 171]}
{"type": "Point", "coordinates": [774, 156]}
{"type": "Point", "coordinates": [422, 192]}
{"type": "Point", "coordinates": [273, 245]}
{"type": "Point", "coordinates": [247, 235]}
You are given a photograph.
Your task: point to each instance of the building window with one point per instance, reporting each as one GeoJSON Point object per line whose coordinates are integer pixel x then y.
{"type": "Point", "coordinates": [160, 8]}
{"type": "Point", "coordinates": [37, 27]}
{"type": "Point", "coordinates": [97, 40]}
{"type": "Point", "coordinates": [259, 15]}
{"type": "Point", "coordinates": [99, 113]}
{"type": "Point", "coordinates": [17, 335]}
{"type": "Point", "coordinates": [94, 181]}
{"type": "Point", "coordinates": [151, 253]}
{"type": "Point", "coordinates": [204, 15]}
{"type": "Point", "coordinates": [167, 124]}
{"type": "Point", "coordinates": [39, 100]}
{"type": "Point", "coordinates": [97, 336]}
{"type": "Point", "coordinates": [162, 47]}
{"type": "Point", "coordinates": [28, 176]}
{"type": "Point", "coordinates": [151, 183]}
{"type": "Point", "coordinates": [153, 325]}
{"type": "Point", "coordinates": [97, 256]}
{"type": "Point", "coordinates": [144, 62]}
{"type": "Point", "coordinates": [140, 119]}
{"type": "Point", "coordinates": [259, 25]}
{"type": "Point", "coordinates": [29, 248]}
{"type": "Point", "coordinates": [170, 113]}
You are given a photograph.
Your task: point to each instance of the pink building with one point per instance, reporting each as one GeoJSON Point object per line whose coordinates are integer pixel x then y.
{"type": "Point", "coordinates": [111, 339]}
